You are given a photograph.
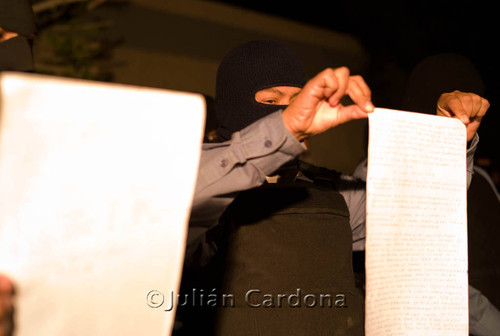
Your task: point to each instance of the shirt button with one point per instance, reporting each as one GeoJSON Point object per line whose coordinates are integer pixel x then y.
{"type": "Point", "coordinates": [268, 143]}
{"type": "Point", "coordinates": [223, 163]}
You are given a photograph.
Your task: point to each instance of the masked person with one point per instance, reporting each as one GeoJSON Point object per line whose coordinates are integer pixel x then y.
{"type": "Point", "coordinates": [284, 246]}
{"type": "Point", "coordinates": [236, 108]}
{"type": "Point", "coordinates": [448, 72]}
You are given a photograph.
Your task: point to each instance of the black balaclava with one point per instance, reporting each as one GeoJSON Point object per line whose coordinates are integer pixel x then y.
{"type": "Point", "coordinates": [246, 69]}
{"type": "Point", "coordinates": [16, 53]}
{"type": "Point", "coordinates": [438, 74]}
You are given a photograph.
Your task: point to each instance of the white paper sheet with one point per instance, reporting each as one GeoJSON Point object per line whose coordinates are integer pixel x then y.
{"type": "Point", "coordinates": [96, 182]}
{"type": "Point", "coordinates": [416, 247]}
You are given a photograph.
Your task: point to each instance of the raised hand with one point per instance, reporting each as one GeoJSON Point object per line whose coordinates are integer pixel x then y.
{"type": "Point", "coordinates": [470, 108]}
{"type": "Point", "coordinates": [317, 108]}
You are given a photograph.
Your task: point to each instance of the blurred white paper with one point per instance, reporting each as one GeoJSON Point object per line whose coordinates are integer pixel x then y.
{"type": "Point", "coordinates": [416, 247]}
{"type": "Point", "coordinates": [96, 184]}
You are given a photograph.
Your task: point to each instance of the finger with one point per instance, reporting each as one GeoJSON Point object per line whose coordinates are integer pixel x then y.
{"type": "Point", "coordinates": [321, 86]}
{"type": "Point", "coordinates": [360, 94]}
{"type": "Point", "coordinates": [472, 129]}
{"type": "Point", "coordinates": [481, 107]}
{"type": "Point", "coordinates": [338, 82]}
{"type": "Point", "coordinates": [329, 83]}
{"type": "Point", "coordinates": [475, 106]}
{"type": "Point", "coordinates": [351, 112]}
{"type": "Point", "coordinates": [471, 103]}
{"type": "Point", "coordinates": [363, 86]}
{"type": "Point", "coordinates": [450, 106]}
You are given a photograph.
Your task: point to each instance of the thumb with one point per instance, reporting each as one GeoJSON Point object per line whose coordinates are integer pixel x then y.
{"type": "Point", "coordinates": [350, 112]}
{"type": "Point", "coordinates": [453, 108]}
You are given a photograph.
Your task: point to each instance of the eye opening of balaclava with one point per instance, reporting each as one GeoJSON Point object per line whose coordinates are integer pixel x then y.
{"type": "Point", "coordinates": [16, 53]}
{"type": "Point", "coordinates": [246, 69]}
